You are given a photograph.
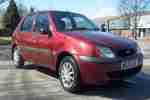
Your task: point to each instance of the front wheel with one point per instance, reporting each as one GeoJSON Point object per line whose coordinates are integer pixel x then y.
{"type": "Point", "coordinates": [69, 74]}
{"type": "Point", "coordinates": [17, 58]}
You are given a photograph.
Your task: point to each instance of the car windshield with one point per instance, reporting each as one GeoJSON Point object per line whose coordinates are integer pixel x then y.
{"type": "Point", "coordinates": [66, 21]}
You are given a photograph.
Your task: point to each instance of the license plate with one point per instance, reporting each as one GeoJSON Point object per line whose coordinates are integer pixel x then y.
{"type": "Point", "coordinates": [129, 64]}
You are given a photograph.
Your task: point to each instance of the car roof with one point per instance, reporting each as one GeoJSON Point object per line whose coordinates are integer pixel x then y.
{"type": "Point", "coordinates": [52, 11]}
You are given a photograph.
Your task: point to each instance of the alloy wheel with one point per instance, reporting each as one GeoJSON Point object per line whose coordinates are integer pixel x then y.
{"type": "Point", "coordinates": [67, 74]}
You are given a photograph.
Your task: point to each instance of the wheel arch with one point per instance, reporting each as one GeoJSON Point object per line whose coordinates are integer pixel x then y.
{"type": "Point", "coordinates": [61, 56]}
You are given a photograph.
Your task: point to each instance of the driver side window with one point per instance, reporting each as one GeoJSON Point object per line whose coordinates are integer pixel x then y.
{"type": "Point", "coordinates": [42, 23]}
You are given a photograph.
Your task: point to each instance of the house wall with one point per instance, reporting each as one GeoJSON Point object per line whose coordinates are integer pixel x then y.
{"type": "Point", "coordinates": [123, 27]}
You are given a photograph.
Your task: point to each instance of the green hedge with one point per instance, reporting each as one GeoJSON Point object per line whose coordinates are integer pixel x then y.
{"type": "Point", "coordinates": [5, 40]}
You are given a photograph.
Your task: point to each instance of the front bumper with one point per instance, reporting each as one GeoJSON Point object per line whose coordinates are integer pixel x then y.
{"type": "Point", "coordinates": [124, 73]}
{"type": "Point", "coordinates": [97, 71]}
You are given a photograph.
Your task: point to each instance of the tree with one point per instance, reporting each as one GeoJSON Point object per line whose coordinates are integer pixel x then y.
{"type": "Point", "coordinates": [32, 10]}
{"type": "Point", "coordinates": [1, 9]}
{"type": "Point", "coordinates": [11, 17]}
{"type": "Point", "coordinates": [22, 9]}
{"type": "Point", "coordinates": [133, 10]}
{"type": "Point", "coordinates": [2, 1]}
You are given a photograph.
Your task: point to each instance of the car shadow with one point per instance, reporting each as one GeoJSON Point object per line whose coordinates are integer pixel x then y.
{"type": "Point", "coordinates": [41, 69]}
{"type": "Point", "coordinates": [137, 88]}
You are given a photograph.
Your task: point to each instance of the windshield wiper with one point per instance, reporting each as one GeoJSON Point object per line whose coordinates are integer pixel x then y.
{"type": "Point", "coordinates": [81, 28]}
{"type": "Point", "coordinates": [84, 28]}
{"type": "Point", "coordinates": [96, 29]}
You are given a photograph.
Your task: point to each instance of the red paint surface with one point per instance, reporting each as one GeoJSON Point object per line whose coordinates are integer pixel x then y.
{"type": "Point", "coordinates": [74, 43]}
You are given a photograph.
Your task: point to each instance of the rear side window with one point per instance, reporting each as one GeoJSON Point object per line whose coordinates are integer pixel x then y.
{"type": "Point", "coordinates": [42, 23]}
{"type": "Point", "coordinates": [27, 24]}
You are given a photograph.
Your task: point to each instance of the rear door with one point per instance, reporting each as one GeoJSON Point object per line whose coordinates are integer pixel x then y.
{"type": "Point", "coordinates": [44, 38]}
{"type": "Point", "coordinates": [25, 40]}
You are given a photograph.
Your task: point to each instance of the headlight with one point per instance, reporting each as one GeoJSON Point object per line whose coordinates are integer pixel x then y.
{"type": "Point", "coordinates": [106, 52]}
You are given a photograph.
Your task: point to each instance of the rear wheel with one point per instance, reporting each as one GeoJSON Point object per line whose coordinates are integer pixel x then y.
{"type": "Point", "coordinates": [69, 74]}
{"type": "Point", "coordinates": [17, 58]}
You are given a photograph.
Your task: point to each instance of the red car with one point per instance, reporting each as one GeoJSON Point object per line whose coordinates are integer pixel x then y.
{"type": "Point", "coordinates": [72, 45]}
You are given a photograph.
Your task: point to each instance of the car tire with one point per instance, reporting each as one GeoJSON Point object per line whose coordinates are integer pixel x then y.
{"type": "Point", "coordinates": [69, 74]}
{"type": "Point", "coordinates": [17, 58]}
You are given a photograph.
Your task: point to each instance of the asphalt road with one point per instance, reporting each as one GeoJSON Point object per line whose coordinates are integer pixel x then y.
{"type": "Point", "coordinates": [36, 83]}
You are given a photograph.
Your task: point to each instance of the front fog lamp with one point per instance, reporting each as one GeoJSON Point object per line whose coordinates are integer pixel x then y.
{"type": "Point", "coordinates": [106, 52]}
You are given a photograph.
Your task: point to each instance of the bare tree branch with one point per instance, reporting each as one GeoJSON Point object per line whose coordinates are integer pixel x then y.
{"type": "Point", "coordinates": [133, 9]}
{"type": "Point", "coordinates": [2, 1]}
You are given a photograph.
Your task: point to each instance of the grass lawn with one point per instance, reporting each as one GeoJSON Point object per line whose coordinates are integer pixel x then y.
{"type": "Point", "coordinates": [5, 40]}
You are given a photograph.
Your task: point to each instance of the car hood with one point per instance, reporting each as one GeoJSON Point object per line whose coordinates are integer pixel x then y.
{"type": "Point", "coordinates": [103, 39]}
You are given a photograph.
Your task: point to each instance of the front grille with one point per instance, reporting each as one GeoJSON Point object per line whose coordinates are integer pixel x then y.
{"type": "Point", "coordinates": [126, 52]}
{"type": "Point", "coordinates": [124, 73]}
